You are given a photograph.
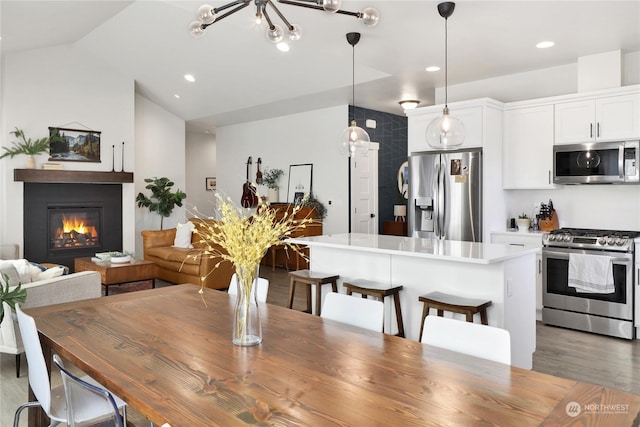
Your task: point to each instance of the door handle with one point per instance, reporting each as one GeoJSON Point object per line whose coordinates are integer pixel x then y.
{"type": "Point", "coordinates": [372, 215]}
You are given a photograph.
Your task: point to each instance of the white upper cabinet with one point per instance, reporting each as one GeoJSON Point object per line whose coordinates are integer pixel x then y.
{"type": "Point", "coordinates": [473, 114]}
{"type": "Point", "coordinates": [607, 118]}
{"type": "Point", "coordinates": [527, 142]}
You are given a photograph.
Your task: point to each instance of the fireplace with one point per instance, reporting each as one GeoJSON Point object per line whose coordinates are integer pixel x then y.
{"type": "Point", "coordinates": [64, 221]}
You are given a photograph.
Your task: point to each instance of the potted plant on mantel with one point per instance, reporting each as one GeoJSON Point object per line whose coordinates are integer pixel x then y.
{"type": "Point", "coordinates": [26, 146]}
{"type": "Point", "coordinates": [270, 178]}
{"type": "Point", "coordinates": [162, 200]}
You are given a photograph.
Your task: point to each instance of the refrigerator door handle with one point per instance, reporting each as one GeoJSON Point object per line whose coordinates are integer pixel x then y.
{"type": "Point", "coordinates": [442, 200]}
{"type": "Point", "coordinates": [436, 202]}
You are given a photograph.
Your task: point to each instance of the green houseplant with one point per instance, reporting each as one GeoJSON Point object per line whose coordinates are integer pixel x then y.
{"type": "Point", "coordinates": [10, 296]}
{"type": "Point", "coordinates": [162, 199]}
{"type": "Point", "coordinates": [26, 146]}
{"type": "Point", "coordinates": [270, 178]}
{"type": "Point", "coordinates": [317, 205]}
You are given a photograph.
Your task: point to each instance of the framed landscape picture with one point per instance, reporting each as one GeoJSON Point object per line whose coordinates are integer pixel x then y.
{"type": "Point", "coordinates": [74, 145]}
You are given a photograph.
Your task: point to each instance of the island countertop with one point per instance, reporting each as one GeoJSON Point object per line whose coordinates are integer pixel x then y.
{"type": "Point", "coordinates": [448, 250]}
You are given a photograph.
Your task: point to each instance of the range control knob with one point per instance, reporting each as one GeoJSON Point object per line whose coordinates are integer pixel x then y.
{"type": "Point", "coordinates": [620, 241]}
{"type": "Point", "coordinates": [567, 238]}
{"type": "Point", "coordinates": [611, 241]}
{"type": "Point", "coordinates": [602, 241]}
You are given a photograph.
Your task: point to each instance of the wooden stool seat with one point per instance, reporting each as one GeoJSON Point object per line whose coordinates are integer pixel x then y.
{"type": "Point", "coordinates": [308, 278]}
{"type": "Point", "coordinates": [455, 304]}
{"type": "Point", "coordinates": [380, 291]}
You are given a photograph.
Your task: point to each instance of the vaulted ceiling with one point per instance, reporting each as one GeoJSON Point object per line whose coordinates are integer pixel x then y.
{"type": "Point", "coordinates": [241, 76]}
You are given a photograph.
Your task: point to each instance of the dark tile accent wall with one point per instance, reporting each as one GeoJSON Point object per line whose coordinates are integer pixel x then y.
{"type": "Point", "coordinates": [391, 133]}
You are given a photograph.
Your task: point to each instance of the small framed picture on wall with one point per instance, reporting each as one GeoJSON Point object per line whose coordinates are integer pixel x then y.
{"type": "Point", "coordinates": [210, 183]}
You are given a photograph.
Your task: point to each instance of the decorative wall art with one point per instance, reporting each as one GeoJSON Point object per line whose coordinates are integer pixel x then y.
{"type": "Point", "coordinates": [210, 183]}
{"type": "Point", "coordinates": [74, 145]}
{"type": "Point", "coordinates": [300, 179]}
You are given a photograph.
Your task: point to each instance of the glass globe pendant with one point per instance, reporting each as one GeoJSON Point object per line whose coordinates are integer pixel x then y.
{"type": "Point", "coordinates": [331, 5]}
{"type": "Point", "coordinates": [445, 132]}
{"type": "Point", "coordinates": [354, 141]}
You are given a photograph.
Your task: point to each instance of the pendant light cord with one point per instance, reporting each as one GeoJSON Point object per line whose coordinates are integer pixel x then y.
{"type": "Point", "coordinates": [353, 82]}
{"type": "Point", "coordinates": [446, 63]}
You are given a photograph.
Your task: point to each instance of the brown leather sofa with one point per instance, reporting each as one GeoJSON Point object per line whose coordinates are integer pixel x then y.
{"type": "Point", "coordinates": [180, 265]}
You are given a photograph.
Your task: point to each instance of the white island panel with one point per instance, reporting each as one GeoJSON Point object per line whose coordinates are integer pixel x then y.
{"type": "Point", "coordinates": [500, 273]}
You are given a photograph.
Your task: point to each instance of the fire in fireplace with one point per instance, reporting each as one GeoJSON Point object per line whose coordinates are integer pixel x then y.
{"type": "Point", "coordinates": [74, 229]}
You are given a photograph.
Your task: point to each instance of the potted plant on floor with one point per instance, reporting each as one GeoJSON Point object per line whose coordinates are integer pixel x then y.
{"type": "Point", "coordinates": [270, 178]}
{"type": "Point", "coordinates": [162, 199]}
{"type": "Point", "coordinates": [26, 146]}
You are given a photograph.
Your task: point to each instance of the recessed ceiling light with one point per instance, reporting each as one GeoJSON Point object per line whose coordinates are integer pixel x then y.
{"type": "Point", "coordinates": [189, 78]}
{"type": "Point", "coordinates": [283, 47]}
{"type": "Point", "coordinates": [544, 45]}
{"type": "Point", "coordinates": [433, 68]}
{"type": "Point", "coordinates": [177, 96]}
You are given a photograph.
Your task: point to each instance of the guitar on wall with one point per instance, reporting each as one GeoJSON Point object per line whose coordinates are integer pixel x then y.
{"type": "Point", "coordinates": [259, 173]}
{"type": "Point", "coordinates": [249, 197]}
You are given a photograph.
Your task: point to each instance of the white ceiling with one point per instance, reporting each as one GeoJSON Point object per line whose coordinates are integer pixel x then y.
{"type": "Point", "coordinates": [241, 76]}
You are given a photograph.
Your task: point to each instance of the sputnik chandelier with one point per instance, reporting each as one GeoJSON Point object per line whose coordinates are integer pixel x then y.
{"type": "Point", "coordinates": [207, 15]}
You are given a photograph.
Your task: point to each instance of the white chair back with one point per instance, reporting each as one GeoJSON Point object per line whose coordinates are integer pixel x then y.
{"type": "Point", "coordinates": [356, 311]}
{"type": "Point", "coordinates": [261, 287]}
{"type": "Point", "coordinates": [469, 338]}
{"type": "Point", "coordinates": [38, 374]}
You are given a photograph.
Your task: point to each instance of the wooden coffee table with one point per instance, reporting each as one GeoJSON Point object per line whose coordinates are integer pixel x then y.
{"type": "Point", "coordinates": [136, 270]}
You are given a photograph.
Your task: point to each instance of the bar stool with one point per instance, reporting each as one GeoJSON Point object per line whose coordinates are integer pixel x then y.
{"type": "Point", "coordinates": [453, 303]}
{"type": "Point", "coordinates": [308, 278]}
{"type": "Point", "coordinates": [379, 291]}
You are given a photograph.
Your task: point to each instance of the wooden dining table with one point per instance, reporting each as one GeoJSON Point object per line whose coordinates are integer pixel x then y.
{"type": "Point", "coordinates": [168, 353]}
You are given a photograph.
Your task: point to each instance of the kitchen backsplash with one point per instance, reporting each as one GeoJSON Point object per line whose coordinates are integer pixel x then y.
{"type": "Point", "coordinates": [583, 206]}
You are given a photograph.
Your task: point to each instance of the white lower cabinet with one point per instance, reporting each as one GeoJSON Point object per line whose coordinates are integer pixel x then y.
{"type": "Point", "coordinates": [528, 239]}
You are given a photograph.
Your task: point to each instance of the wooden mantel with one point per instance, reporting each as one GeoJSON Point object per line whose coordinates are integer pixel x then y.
{"type": "Point", "coordinates": [68, 176]}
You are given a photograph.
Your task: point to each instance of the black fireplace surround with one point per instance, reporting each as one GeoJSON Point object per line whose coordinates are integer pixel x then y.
{"type": "Point", "coordinates": [43, 203]}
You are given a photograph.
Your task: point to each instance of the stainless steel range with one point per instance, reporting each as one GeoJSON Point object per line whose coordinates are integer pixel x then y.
{"type": "Point", "coordinates": [606, 307]}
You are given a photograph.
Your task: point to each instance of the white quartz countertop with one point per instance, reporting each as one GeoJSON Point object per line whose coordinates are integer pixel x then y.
{"type": "Point", "coordinates": [448, 250]}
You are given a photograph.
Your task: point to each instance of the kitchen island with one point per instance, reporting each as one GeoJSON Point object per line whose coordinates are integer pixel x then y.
{"type": "Point", "coordinates": [502, 273]}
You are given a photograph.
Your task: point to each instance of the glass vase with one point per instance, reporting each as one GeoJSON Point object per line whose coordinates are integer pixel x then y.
{"type": "Point", "coordinates": [247, 329]}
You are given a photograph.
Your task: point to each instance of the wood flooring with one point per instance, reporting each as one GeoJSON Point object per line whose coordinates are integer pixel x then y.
{"type": "Point", "coordinates": [591, 358]}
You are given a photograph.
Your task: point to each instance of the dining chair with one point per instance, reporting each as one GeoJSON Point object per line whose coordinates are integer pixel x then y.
{"type": "Point", "coordinates": [474, 339]}
{"type": "Point", "coordinates": [85, 400]}
{"type": "Point", "coordinates": [262, 288]}
{"type": "Point", "coordinates": [365, 313]}
{"type": "Point", "coordinates": [52, 401]}
{"type": "Point", "coordinates": [10, 342]}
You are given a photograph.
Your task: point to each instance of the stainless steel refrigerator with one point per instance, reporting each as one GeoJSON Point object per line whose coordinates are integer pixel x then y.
{"type": "Point", "coordinates": [445, 195]}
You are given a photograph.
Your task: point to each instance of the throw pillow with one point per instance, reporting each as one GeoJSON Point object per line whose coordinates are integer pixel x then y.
{"type": "Point", "coordinates": [183, 235]}
{"type": "Point", "coordinates": [50, 273]}
{"type": "Point", "coordinates": [10, 270]}
{"type": "Point", "coordinates": [24, 269]}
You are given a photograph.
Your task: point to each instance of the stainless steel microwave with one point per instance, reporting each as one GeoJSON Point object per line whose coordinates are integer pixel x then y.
{"type": "Point", "coordinates": [597, 163]}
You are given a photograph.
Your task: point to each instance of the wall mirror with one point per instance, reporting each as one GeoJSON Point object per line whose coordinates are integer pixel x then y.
{"type": "Point", "coordinates": [300, 179]}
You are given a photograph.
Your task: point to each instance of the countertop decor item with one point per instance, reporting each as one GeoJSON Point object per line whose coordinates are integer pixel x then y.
{"type": "Point", "coordinates": [244, 240]}
{"type": "Point", "coordinates": [10, 296]}
{"type": "Point", "coordinates": [523, 222]}
{"type": "Point", "coordinates": [207, 15]}
{"type": "Point", "coordinates": [445, 132]}
{"type": "Point", "coordinates": [26, 146]}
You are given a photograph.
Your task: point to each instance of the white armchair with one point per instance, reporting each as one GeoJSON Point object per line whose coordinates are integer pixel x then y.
{"type": "Point", "coordinates": [71, 287]}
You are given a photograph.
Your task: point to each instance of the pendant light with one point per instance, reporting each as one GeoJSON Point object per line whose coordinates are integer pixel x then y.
{"type": "Point", "coordinates": [354, 141]}
{"type": "Point", "coordinates": [445, 132]}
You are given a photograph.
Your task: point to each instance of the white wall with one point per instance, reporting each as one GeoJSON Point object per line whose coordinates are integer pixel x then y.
{"type": "Point", "coordinates": [160, 144]}
{"type": "Point", "coordinates": [309, 137]}
{"type": "Point", "coordinates": [201, 163]}
{"type": "Point", "coordinates": [585, 206]}
{"type": "Point", "coordinates": [65, 87]}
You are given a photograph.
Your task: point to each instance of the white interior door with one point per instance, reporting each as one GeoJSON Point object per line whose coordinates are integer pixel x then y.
{"type": "Point", "coordinates": [364, 192]}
